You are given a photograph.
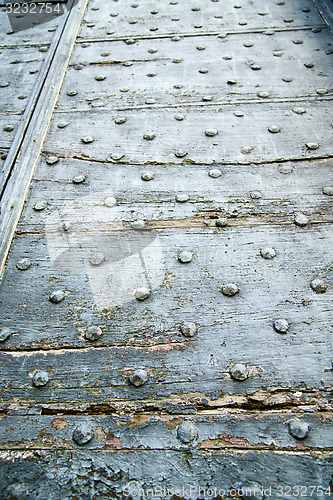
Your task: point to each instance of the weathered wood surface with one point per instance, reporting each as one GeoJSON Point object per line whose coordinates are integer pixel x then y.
{"type": "Point", "coordinates": [266, 180]}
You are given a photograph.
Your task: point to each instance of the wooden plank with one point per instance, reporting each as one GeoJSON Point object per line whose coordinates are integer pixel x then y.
{"type": "Point", "coordinates": [16, 190]}
{"type": "Point", "coordinates": [123, 20]}
{"type": "Point", "coordinates": [235, 430]}
{"type": "Point", "coordinates": [239, 140]}
{"type": "Point", "coordinates": [63, 473]}
{"type": "Point", "coordinates": [179, 64]}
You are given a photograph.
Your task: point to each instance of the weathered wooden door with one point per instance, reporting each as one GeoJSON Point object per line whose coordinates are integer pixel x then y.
{"type": "Point", "coordinates": [165, 315]}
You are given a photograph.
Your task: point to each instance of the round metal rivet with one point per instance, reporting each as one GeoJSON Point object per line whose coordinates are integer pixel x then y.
{"type": "Point", "coordinates": [287, 79]}
{"type": "Point", "coordinates": [221, 222]}
{"type": "Point", "coordinates": [176, 39]}
{"type": "Point", "coordinates": [274, 129]}
{"type": "Point", "coordinates": [151, 101]}
{"type": "Point", "coordinates": [105, 54]}
{"type": "Point", "coordinates": [256, 195]}
{"type": "Point", "coordinates": [87, 140]}
{"type": "Point", "coordinates": [255, 67]}
{"type": "Point", "coordinates": [239, 114]}
{"type": "Point", "coordinates": [8, 128]}
{"type": "Point", "coordinates": [207, 98]}
{"type": "Point", "coordinates": [180, 153]}
{"type": "Point", "coordinates": [239, 372]}
{"type": "Point", "coordinates": [124, 89]}
{"type": "Point", "coordinates": [309, 64]}
{"type": "Point", "coordinates": [151, 74]}
{"type": "Point", "coordinates": [139, 225]}
{"type": "Point", "coordinates": [5, 333]}
{"type": "Point", "coordinates": [97, 259]}
{"type": "Point", "coordinates": [211, 132]}
{"type": "Point", "coordinates": [298, 41]}
{"type": "Point", "coordinates": [72, 92]}
{"type": "Point", "coordinates": [152, 51]}
{"type": "Point", "coordinates": [187, 432]}
{"type": "Point", "coordinates": [321, 91]}
{"type": "Point", "coordinates": [4, 84]}
{"type": "Point", "coordinates": [301, 220]}
{"type": "Point", "coordinates": [40, 205]}
{"type": "Point", "coordinates": [23, 264]}
{"type": "Point", "coordinates": [319, 285]}
{"type": "Point", "coordinates": [57, 296]}
{"type": "Point", "coordinates": [215, 173]}
{"type": "Point", "coordinates": [281, 325]}
{"type": "Point", "coordinates": [22, 96]}
{"type": "Point", "coordinates": [246, 149]}
{"type": "Point", "coordinates": [93, 332]}
{"type": "Point", "coordinates": [40, 379]}
{"type": "Point", "coordinates": [231, 82]}
{"type": "Point", "coordinates": [129, 41]}
{"type": "Point", "coordinates": [138, 377]}
{"type": "Point", "coordinates": [227, 58]}
{"type": "Point", "coordinates": [328, 190]}
{"type": "Point", "coordinates": [188, 329]}
{"type": "Point", "coordinates": [51, 160]}
{"type": "Point", "coordinates": [203, 71]}
{"type": "Point", "coordinates": [264, 95]}
{"type": "Point", "coordinates": [201, 47]}
{"type": "Point", "coordinates": [110, 201]}
{"type": "Point", "coordinates": [230, 289]}
{"type": "Point", "coordinates": [179, 117]}
{"type": "Point", "coordinates": [147, 176]}
{"type": "Point", "coordinates": [100, 78]}
{"type": "Point", "coordinates": [312, 145]}
{"type": "Point", "coordinates": [149, 137]}
{"type": "Point", "coordinates": [285, 169]}
{"type": "Point", "coordinates": [299, 110]}
{"type": "Point", "coordinates": [79, 179]}
{"type": "Point", "coordinates": [299, 429]}
{"type": "Point", "coordinates": [222, 35]}
{"type": "Point", "coordinates": [178, 86]}
{"type": "Point", "coordinates": [62, 124]}
{"type": "Point", "coordinates": [185, 257]}
{"type": "Point", "coordinates": [195, 9]}
{"type": "Point", "coordinates": [142, 293]}
{"type": "Point", "coordinates": [120, 120]}
{"type": "Point", "coordinates": [248, 44]}
{"type": "Point", "coordinates": [268, 253]}
{"type": "Point", "coordinates": [83, 434]}
{"type": "Point", "coordinates": [277, 53]}
{"type": "Point", "coordinates": [182, 197]}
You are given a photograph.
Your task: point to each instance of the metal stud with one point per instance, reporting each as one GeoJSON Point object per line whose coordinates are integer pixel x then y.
{"type": "Point", "coordinates": [264, 95]}
{"type": "Point", "coordinates": [207, 98]}
{"type": "Point", "coordinates": [299, 110]}
{"type": "Point", "coordinates": [78, 179]}
{"type": "Point", "coordinates": [149, 137]}
{"type": "Point", "coordinates": [71, 93]}
{"type": "Point", "coordinates": [87, 139]}
{"type": "Point", "coordinates": [185, 257]}
{"type": "Point", "coordinates": [188, 329]}
{"type": "Point", "coordinates": [312, 145]}
{"type": "Point", "coordinates": [187, 432]}
{"type": "Point", "coordinates": [255, 67]}
{"type": "Point", "coordinates": [138, 377]}
{"type": "Point", "coordinates": [201, 47]}
{"type": "Point", "coordinates": [299, 429]}
{"type": "Point", "coordinates": [274, 129]}
{"type": "Point", "coordinates": [215, 173]}
{"type": "Point", "coordinates": [287, 79]}
{"type": "Point", "coordinates": [120, 120]}
{"type": "Point", "coordinates": [179, 117]}
{"type": "Point", "coordinates": [5, 333]}
{"type": "Point", "coordinates": [281, 325]}
{"type": "Point", "coordinates": [239, 114]}
{"type": "Point", "coordinates": [239, 372]}
{"type": "Point", "coordinates": [256, 195]}
{"type": "Point", "coordinates": [230, 289]}
{"type": "Point", "coordinates": [248, 44]}
{"type": "Point", "coordinates": [180, 153]}
{"type": "Point", "coordinates": [319, 285]}
{"type": "Point", "coordinates": [93, 332]}
{"type": "Point", "coordinates": [57, 296]}
{"type": "Point", "coordinates": [321, 91]}
{"type": "Point", "coordinates": [246, 149]}
{"type": "Point", "coordinates": [97, 259]}
{"type": "Point", "coordinates": [100, 78]}
{"type": "Point", "coordinates": [23, 264]}
{"type": "Point", "coordinates": [147, 176]}
{"type": "Point", "coordinates": [268, 253]}
{"type": "Point", "coordinates": [221, 222]}
{"type": "Point", "coordinates": [182, 197]}
{"type": "Point", "coordinates": [110, 201]}
{"type": "Point", "coordinates": [83, 434]}
{"type": "Point", "coordinates": [8, 128]}
{"type": "Point", "coordinates": [40, 378]}
{"type": "Point", "coordinates": [203, 71]}
{"type": "Point", "coordinates": [328, 190]}
{"type": "Point", "coordinates": [309, 64]}
{"type": "Point", "coordinates": [142, 293]}
{"type": "Point", "coordinates": [277, 53]}
{"type": "Point", "coordinates": [51, 160]}
{"type": "Point", "coordinates": [301, 220]}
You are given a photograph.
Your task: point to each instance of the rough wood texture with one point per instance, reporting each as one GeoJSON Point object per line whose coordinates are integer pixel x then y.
{"type": "Point", "coordinates": [94, 229]}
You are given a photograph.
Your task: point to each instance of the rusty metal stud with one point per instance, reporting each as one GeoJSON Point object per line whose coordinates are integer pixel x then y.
{"type": "Point", "coordinates": [182, 197]}
{"type": "Point", "coordinates": [319, 285]}
{"type": "Point", "coordinates": [268, 253]}
{"type": "Point", "coordinates": [97, 259]}
{"type": "Point", "coordinates": [5, 333]}
{"type": "Point", "coordinates": [221, 222]}
{"type": "Point", "coordinates": [281, 325]}
{"type": "Point", "coordinates": [301, 220]}
{"type": "Point", "coordinates": [93, 332]}
{"type": "Point", "coordinates": [40, 378]}
{"type": "Point", "coordinates": [23, 264]}
{"type": "Point", "coordinates": [187, 432]}
{"type": "Point", "coordinates": [57, 296]}
{"type": "Point", "coordinates": [328, 190]}
{"type": "Point", "coordinates": [215, 173]}
{"type": "Point", "coordinates": [51, 160]}
{"type": "Point", "coordinates": [149, 137]}
{"type": "Point", "coordinates": [188, 329]}
{"type": "Point", "coordinates": [185, 257]}
{"type": "Point", "coordinates": [239, 372]}
{"type": "Point", "coordinates": [274, 129]}
{"type": "Point", "coordinates": [147, 176]}
{"type": "Point", "coordinates": [299, 429]}
{"type": "Point", "coordinates": [83, 434]}
{"type": "Point", "coordinates": [142, 293]}
{"type": "Point", "coordinates": [138, 377]}
{"type": "Point", "coordinates": [87, 139]}
{"type": "Point", "coordinates": [312, 145]}
{"type": "Point", "coordinates": [230, 289]}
